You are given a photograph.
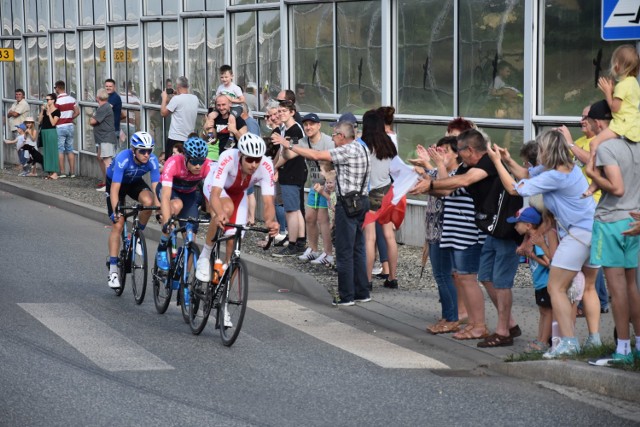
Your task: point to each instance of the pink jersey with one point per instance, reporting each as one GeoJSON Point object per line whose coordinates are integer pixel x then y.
{"type": "Point", "coordinates": [228, 176]}
{"type": "Point", "coordinates": [176, 175]}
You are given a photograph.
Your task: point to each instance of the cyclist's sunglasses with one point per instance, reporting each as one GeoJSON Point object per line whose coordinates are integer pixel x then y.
{"type": "Point", "coordinates": [196, 161]}
{"type": "Point", "coordinates": [145, 151]}
{"type": "Point", "coordinates": [252, 159]}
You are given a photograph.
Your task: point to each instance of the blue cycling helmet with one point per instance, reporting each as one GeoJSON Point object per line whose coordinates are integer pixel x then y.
{"type": "Point", "coordinates": [195, 147]}
{"type": "Point", "coordinates": [142, 139]}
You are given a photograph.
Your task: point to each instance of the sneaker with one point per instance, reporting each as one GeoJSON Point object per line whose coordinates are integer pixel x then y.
{"type": "Point", "coordinates": [138, 249]}
{"type": "Point", "coordinates": [377, 268]}
{"type": "Point", "coordinates": [381, 276]}
{"type": "Point", "coordinates": [614, 359]}
{"type": "Point", "coordinates": [227, 318]}
{"type": "Point", "coordinates": [203, 269]}
{"type": "Point", "coordinates": [309, 255]}
{"type": "Point", "coordinates": [566, 347]}
{"type": "Point", "coordinates": [281, 239]}
{"type": "Point", "coordinates": [367, 299]}
{"type": "Point", "coordinates": [289, 250]}
{"type": "Point", "coordinates": [114, 281]}
{"type": "Point", "coordinates": [62, 176]}
{"type": "Point", "coordinates": [103, 188]}
{"type": "Point", "coordinates": [340, 303]}
{"type": "Point", "coordinates": [323, 259]}
{"type": "Point", "coordinates": [23, 174]}
{"type": "Point", "coordinates": [162, 261]}
{"type": "Point", "coordinates": [391, 284]}
{"type": "Point", "coordinates": [592, 342]}
{"type": "Point", "coordinates": [101, 184]}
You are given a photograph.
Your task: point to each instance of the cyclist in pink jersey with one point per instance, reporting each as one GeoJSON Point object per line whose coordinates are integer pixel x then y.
{"type": "Point", "coordinates": [178, 189]}
{"type": "Point", "coordinates": [225, 188]}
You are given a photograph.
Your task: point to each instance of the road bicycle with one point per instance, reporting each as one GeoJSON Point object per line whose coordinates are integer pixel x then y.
{"type": "Point", "coordinates": [182, 268]}
{"type": "Point", "coordinates": [227, 291]}
{"type": "Point", "coordinates": [132, 258]}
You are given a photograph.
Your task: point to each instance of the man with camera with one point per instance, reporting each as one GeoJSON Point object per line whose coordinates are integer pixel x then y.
{"type": "Point", "coordinates": [353, 168]}
{"type": "Point", "coordinates": [292, 174]}
{"type": "Point", "coordinates": [182, 106]}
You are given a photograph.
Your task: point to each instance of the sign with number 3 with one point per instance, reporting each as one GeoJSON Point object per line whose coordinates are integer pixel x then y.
{"type": "Point", "coordinates": [6, 54]}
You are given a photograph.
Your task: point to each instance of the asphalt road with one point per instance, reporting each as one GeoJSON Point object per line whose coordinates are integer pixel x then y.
{"type": "Point", "coordinates": [72, 353]}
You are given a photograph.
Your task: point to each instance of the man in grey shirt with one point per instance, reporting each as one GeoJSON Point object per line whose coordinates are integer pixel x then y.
{"type": "Point", "coordinates": [617, 174]}
{"type": "Point", "coordinates": [183, 109]}
{"type": "Point", "coordinates": [102, 121]}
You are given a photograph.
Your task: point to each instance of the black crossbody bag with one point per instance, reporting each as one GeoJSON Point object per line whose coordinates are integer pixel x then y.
{"type": "Point", "coordinates": [353, 201]}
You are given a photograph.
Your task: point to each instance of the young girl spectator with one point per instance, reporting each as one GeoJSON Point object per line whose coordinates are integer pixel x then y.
{"type": "Point", "coordinates": [30, 145]}
{"type": "Point", "coordinates": [23, 155]}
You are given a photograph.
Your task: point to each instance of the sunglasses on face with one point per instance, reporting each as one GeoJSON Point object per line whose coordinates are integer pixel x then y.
{"type": "Point", "coordinates": [196, 161]}
{"type": "Point", "coordinates": [145, 152]}
{"type": "Point", "coordinates": [253, 159]}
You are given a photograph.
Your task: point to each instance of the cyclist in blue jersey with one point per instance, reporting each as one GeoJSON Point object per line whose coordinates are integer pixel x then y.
{"type": "Point", "coordinates": [124, 178]}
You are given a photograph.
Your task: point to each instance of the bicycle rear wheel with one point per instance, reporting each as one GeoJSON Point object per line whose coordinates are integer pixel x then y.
{"type": "Point", "coordinates": [233, 302]}
{"type": "Point", "coordinates": [139, 266]}
{"type": "Point", "coordinates": [161, 287]}
{"type": "Point", "coordinates": [190, 269]}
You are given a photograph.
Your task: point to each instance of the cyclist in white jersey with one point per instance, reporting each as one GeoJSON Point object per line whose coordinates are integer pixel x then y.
{"type": "Point", "coordinates": [225, 189]}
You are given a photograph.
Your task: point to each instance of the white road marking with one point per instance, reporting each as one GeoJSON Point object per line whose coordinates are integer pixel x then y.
{"type": "Point", "coordinates": [104, 346]}
{"type": "Point", "coordinates": [345, 337]}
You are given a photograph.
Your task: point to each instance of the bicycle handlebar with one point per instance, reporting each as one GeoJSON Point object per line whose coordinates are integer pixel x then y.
{"type": "Point", "coordinates": [244, 227]}
{"type": "Point", "coordinates": [135, 209]}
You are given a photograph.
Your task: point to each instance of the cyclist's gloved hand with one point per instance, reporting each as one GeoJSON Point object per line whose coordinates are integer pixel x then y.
{"type": "Point", "coordinates": [114, 217]}
{"type": "Point", "coordinates": [165, 228]}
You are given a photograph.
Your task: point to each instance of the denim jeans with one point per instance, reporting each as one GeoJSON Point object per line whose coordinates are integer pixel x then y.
{"type": "Point", "coordinates": [281, 218]}
{"type": "Point", "coordinates": [442, 269]}
{"type": "Point", "coordinates": [65, 138]}
{"type": "Point", "coordinates": [601, 289]}
{"type": "Point", "coordinates": [350, 256]}
{"type": "Point", "coordinates": [381, 243]}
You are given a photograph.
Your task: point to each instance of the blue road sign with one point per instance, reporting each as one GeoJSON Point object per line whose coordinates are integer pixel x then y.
{"type": "Point", "coordinates": [620, 20]}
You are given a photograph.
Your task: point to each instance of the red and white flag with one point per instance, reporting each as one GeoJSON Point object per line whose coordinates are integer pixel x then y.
{"type": "Point", "coordinates": [394, 203]}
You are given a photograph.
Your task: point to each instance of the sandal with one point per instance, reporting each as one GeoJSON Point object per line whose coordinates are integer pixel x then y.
{"type": "Point", "coordinates": [536, 346]}
{"type": "Point", "coordinates": [495, 340]}
{"type": "Point", "coordinates": [467, 332]}
{"type": "Point", "coordinates": [443, 327]}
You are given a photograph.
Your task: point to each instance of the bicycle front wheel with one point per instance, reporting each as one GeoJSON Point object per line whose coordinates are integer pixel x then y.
{"type": "Point", "coordinates": [233, 302]}
{"type": "Point", "coordinates": [138, 254]}
{"type": "Point", "coordinates": [187, 278]}
{"type": "Point", "coordinates": [161, 287]}
{"type": "Point", "coordinates": [200, 306]}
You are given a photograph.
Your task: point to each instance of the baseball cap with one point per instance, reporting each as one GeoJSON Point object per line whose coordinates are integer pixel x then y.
{"type": "Point", "coordinates": [528, 214]}
{"type": "Point", "coordinates": [311, 117]}
{"type": "Point", "coordinates": [600, 111]}
{"type": "Point", "coordinates": [21, 126]}
{"type": "Point", "coordinates": [346, 117]}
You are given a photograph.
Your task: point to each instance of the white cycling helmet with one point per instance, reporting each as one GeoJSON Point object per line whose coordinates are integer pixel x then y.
{"type": "Point", "coordinates": [252, 145]}
{"type": "Point", "coordinates": [142, 139]}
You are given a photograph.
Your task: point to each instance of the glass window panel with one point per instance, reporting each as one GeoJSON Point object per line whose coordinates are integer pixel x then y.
{"type": "Point", "coordinates": [215, 54]}
{"type": "Point", "coordinates": [99, 12]}
{"type": "Point", "coordinates": [59, 72]}
{"type": "Point", "coordinates": [117, 10]}
{"type": "Point", "coordinates": [7, 29]}
{"type": "Point", "coordinates": [88, 142]}
{"type": "Point", "coordinates": [313, 55]}
{"type": "Point", "coordinates": [33, 81]}
{"type": "Point", "coordinates": [18, 47]}
{"type": "Point", "coordinates": [43, 74]}
{"type": "Point", "coordinates": [9, 72]}
{"type": "Point", "coordinates": [128, 126]}
{"type": "Point", "coordinates": [88, 66]}
{"type": "Point", "coordinates": [268, 51]}
{"type": "Point", "coordinates": [215, 4]}
{"type": "Point", "coordinates": [245, 52]}
{"type": "Point", "coordinates": [133, 67]}
{"type": "Point", "coordinates": [156, 127]}
{"type": "Point", "coordinates": [133, 11]}
{"type": "Point", "coordinates": [195, 58]}
{"type": "Point", "coordinates": [425, 57]}
{"type": "Point", "coordinates": [43, 14]}
{"type": "Point", "coordinates": [152, 7]}
{"type": "Point", "coordinates": [86, 15]}
{"type": "Point", "coordinates": [359, 50]}
{"type": "Point", "coordinates": [18, 13]}
{"type": "Point", "coordinates": [119, 69]}
{"type": "Point", "coordinates": [70, 13]}
{"type": "Point", "coordinates": [171, 51]}
{"type": "Point", "coordinates": [193, 5]}
{"type": "Point", "coordinates": [573, 52]}
{"type": "Point", "coordinates": [30, 13]}
{"type": "Point", "coordinates": [410, 135]}
{"type": "Point", "coordinates": [491, 58]}
{"type": "Point", "coordinates": [170, 7]}
{"type": "Point", "coordinates": [72, 79]}
{"type": "Point", "coordinates": [57, 13]}
{"type": "Point", "coordinates": [154, 66]}
{"type": "Point", "coordinates": [101, 66]}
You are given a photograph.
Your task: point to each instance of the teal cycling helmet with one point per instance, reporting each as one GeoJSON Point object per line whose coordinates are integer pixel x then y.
{"type": "Point", "coordinates": [195, 148]}
{"type": "Point", "coordinates": [142, 139]}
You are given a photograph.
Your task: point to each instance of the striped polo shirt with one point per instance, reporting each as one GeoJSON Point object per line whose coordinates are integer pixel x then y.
{"type": "Point", "coordinates": [66, 104]}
